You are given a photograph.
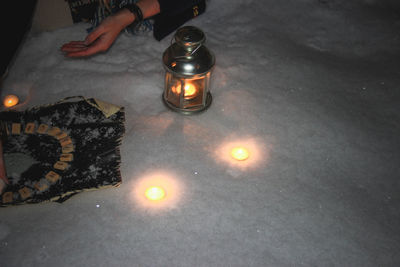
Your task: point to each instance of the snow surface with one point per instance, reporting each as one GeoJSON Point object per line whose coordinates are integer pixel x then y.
{"type": "Point", "coordinates": [312, 87]}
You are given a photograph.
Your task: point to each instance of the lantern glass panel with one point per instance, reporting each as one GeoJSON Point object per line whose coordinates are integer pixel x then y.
{"type": "Point", "coordinates": [170, 82]}
{"type": "Point", "coordinates": [194, 91]}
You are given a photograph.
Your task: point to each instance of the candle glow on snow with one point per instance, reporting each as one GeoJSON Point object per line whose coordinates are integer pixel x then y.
{"type": "Point", "coordinates": [242, 153]}
{"type": "Point", "coordinates": [157, 190]}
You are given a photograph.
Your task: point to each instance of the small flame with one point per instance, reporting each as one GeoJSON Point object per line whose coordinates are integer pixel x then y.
{"type": "Point", "coordinates": [10, 101]}
{"type": "Point", "coordinates": [155, 193]}
{"type": "Point", "coordinates": [190, 90]}
{"type": "Point", "coordinates": [240, 153]}
{"type": "Point", "coordinates": [157, 190]}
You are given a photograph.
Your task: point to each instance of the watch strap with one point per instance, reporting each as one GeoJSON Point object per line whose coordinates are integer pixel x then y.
{"type": "Point", "coordinates": [136, 11]}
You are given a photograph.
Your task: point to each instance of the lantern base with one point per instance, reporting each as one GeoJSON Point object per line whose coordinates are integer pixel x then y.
{"type": "Point", "coordinates": [192, 110]}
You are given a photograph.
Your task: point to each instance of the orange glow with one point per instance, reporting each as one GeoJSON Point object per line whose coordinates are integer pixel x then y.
{"type": "Point", "coordinates": [190, 90]}
{"type": "Point", "coordinates": [10, 101]}
{"type": "Point", "coordinates": [157, 190]}
{"type": "Point", "coordinates": [155, 193]}
{"type": "Point", "coordinates": [240, 153]}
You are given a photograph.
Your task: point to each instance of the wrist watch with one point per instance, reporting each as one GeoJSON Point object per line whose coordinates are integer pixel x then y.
{"type": "Point", "coordinates": [135, 10]}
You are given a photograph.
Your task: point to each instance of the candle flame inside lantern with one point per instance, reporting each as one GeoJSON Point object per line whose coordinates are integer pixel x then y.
{"type": "Point", "coordinates": [189, 90]}
{"type": "Point", "coordinates": [155, 193]}
{"type": "Point", "coordinates": [240, 153]}
{"type": "Point", "coordinates": [10, 100]}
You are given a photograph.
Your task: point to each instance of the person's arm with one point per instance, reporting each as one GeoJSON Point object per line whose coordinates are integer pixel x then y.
{"type": "Point", "coordinates": [105, 34]}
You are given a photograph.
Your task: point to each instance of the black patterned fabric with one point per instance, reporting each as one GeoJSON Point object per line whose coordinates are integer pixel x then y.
{"type": "Point", "coordinates": [83, 10]}
{"type": "Point", "coordinates": [87, 142]}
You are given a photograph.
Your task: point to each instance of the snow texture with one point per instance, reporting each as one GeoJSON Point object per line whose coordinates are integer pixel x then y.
{"type": "Point", "coordinates": [311, 86]}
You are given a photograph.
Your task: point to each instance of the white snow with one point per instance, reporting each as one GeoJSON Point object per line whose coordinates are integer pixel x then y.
{"type": "Point", "coordinates": [312, 86]}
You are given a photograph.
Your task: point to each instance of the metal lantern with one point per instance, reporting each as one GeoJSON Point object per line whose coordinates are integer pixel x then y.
{"type": "Point", "coordinates": [188, 64]}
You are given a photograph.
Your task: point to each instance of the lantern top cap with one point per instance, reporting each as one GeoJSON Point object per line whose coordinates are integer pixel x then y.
{"type": "Point", "coordinates": [188, 56]}
{"type": "Point", "coordinates": [190, 36]}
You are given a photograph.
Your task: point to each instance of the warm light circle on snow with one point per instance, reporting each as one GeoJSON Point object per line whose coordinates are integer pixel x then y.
{"type": "Point", "coordinates": [155, 193]}
{"type": "Point", "coordinates": [157, 190]}
{"type": "Point", "coordinates": [240, 153]}
{"type": "Point", "coordinates": [10, 101]}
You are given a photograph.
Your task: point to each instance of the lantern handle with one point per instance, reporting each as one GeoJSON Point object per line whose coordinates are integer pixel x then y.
{"type": "Point", "coordinates": [190, 52]}
{"type": "Point", "coordinates": [194, 50]}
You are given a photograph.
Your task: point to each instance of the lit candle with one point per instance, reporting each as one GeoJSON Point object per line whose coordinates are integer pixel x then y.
{"type": "Point", "coordinates": [10, 100]}
{"type": "Point", "coordinates": [189, 92]}
{"type": "Point", "coordinates": [240, 153]}
{"type": "Point", "coordinates": [155, 193]}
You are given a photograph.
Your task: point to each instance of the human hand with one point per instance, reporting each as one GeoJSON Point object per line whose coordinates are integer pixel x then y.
{"type": "Point", "coordinates": [101, 38]}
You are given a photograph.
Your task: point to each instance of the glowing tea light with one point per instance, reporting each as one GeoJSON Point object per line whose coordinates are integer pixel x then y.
{"type": "Point", "coordinates": [190, 90]}
{"type": "Point", "coordinates": [243, 153]}
{"type": "Point", "coordinates": [157, 190]}
{"type": "Point", "coordinates": [10, 100]}
{"type": "Point", "coordinates": [240, 153]}
{"type": "Point", "coordinates": [155, 193]}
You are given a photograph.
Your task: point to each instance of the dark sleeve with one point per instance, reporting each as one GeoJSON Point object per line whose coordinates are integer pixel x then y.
{"type": "Point", "coordinates": [174, 13]}
{"type": "Point", "coordinates": [13, 31]}
{"type": "Point", "coordinates": [82, 10]}
{"type": "Point", "coordinates": [173, 7]}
